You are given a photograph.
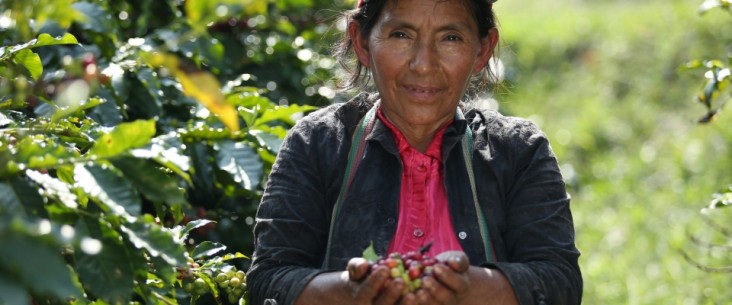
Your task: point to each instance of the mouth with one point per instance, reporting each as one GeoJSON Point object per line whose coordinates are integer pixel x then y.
{"type": "Point", "coordinates": [422, 92]}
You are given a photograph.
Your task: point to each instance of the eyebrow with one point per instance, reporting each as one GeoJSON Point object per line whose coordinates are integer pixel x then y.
{"type": "Point", "coordinates": [456, 26]}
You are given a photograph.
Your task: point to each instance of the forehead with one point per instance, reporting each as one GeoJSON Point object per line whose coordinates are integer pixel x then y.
{"type": "Point", "coordinates": [428, 11]}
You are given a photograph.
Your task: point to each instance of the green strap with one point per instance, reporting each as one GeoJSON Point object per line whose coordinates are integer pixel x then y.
{"type": "Point", "coordinates": [358, 143]}
{"type": "Point", "coordinates": [482, 223]}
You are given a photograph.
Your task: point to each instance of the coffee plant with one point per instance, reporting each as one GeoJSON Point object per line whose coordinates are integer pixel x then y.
{"type": "Point", "coordinates": [135, 137]}
{"type": "Point", "coordinates": [713, 96]}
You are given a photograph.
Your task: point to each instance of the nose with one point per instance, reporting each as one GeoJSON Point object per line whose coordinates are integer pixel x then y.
{"type": "Point", "coordinates": [424, 57]}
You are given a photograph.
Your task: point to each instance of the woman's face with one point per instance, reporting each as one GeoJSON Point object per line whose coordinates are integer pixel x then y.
{"type": "Point", "coordinates": [421, 54]}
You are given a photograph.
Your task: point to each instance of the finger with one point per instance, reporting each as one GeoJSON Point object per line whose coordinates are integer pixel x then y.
{"type": "Point", "coordinates": [434, 292]}
{"type": "Point", "coordinates": [457, 282]}
{"type": "Point", "coordinates": [458, 262]}
{"type": "Point", "coordinates": [358, 268]}
{"type": "Point", "coordinates": [392, 292]}
{"type": "Point", "coordinates": [371, 287]}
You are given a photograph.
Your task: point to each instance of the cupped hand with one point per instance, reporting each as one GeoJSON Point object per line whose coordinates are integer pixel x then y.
{"type": "Point", "coordinates": [449, 284]}
{"type": "Point", "coordinates": [372, 286]}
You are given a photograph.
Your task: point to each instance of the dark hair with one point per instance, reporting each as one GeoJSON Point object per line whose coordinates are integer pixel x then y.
{"type": "Point", "coordinates": [368, 14]}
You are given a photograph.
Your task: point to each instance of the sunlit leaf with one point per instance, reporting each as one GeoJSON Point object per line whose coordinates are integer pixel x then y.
{"type": "Point", "coordinates": [112, 191]}
{"type": "Point", "coordinates": [168, 151]}
{"type": "Point", "coordinates": [17, 196]}
{"type": "Point", "coordinates": [241, 161]}
{"type": "Point", "coordinates": [31, 61]}
{"type": "Point", "coordinates": [206, 249]}
{"type": "Point", "coordinates": [124, 137]}
{"type": "Point", "coordinates": [155, 241]}
{"type": "Point", "coordinates": [48, 40]}
{"type": "Point", "coordinates": [181, 232]}
{"type": "Point", "coordinates": [268, 140]}
{"type": "Point", "coordinates": [151, 181]}
{"type": "Point", "coordinates": [201, 85]}
{"type": "Point", "coordinates": [5, 120]}
{"type": "Point", "coordinates": [708, 5]}
{"type": "Point", "coordinates": [282, 113]}
{"type": "Point", "coordinates": [39, 153]}
{"type": "Point", "coordinates": [54, 188]}
{"type": "Point", "coordinates": [43, 39]}
{"type": "Point", "coordinates": [71, 109]}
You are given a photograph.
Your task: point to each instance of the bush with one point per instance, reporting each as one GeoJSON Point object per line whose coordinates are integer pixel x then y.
{"type": "Point", "coordinates": [135, 138]}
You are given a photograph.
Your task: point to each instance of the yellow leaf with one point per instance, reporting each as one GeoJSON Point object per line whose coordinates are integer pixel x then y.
{"type": "Point", "coordinates": [200, 85]}
{"type": "Point", "coordinates": [205, 88]}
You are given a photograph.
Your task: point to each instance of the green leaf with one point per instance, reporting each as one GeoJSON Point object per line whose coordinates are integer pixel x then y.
{"type": "Point", "coordinates": [268, 140]}
{"type": "Point", "coordinates": [157, 242]}
{"type": "Point", "coordinates": [41, 153]}
{"type": "Point", "coordinates": [181, 232]}
{"type": "Point", "coordinates": [47, 40]}
{"type": "Point", "coordinates": [206, 249]}
{"type": "Point", "coordinates": [708, 5]}
{"type": "Point", "coordinates": [30, 61]}
{"type": "Point", "coordinates": [5, 120]}
{"type": "Point", "coordinates": [54, 188]}
{"type": "Point", "coordinates": [96, 19]}
{"type": "Point", "coordinates": [11, 292]}
{"type": "Point", "coordinates": [109, 272]}
{"type": "Point", "coordinates": [17, 196]}
{"type": "Point", "coordinates": [124, 137]}
{"type": "Point", "coordinates": [42, 40]}
{"type": "Point", "coordinates": [36, 265]}
{"type": "Point", "coordinates": [370, 254]}
{"type": "Point", "coordinates": [114, 193]}
{"type": "Point", "coordinates": [241, 161]}
{"type": "Point", "coordinates": [282, 113]}
{"type": "Point", "coordinates": [168, 151]}
{"type": "Point", "coordinates": [75, 107]}
{"type": "Point", "coordinates": [151, 181]}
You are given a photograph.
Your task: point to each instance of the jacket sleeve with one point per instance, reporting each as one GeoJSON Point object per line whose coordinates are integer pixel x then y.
{"type": "Point", "coordinates": [538, 233]}
{"type": "Point", "coordinates": [292, 220]}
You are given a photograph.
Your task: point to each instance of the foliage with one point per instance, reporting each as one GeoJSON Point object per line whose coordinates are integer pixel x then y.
{"type": "Point", "coordinates": [714, 96]}
{"type": "Point", "coordinates": [602, 79]}
{"type": "Point", "coordinates": [135, 138]}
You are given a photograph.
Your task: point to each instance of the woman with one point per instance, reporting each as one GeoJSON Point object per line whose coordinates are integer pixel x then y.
{"type": "Point", "coordinates": [411, 165]}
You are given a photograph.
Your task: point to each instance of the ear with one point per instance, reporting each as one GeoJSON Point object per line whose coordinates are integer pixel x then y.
{"type": "Point", "coordinates": [487, 45]}
{"type": "Point", "coordinates": [359, 44]}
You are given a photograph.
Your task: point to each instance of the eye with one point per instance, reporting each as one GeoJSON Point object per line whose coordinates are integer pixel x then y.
{"type": "Point", "coordinates": [399, 35]}
{"type": "Point", "coordinates": [453, 37]}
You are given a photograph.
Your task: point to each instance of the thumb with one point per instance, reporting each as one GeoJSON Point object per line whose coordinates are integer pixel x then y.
{"type": "Point", "coordinates": [358, 268]}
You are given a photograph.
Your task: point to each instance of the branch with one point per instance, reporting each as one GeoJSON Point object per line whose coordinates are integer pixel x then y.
{"type": "Point", "coordinates": [709, 245]}
{"type": "Point", "coordinates": [723, 230]}
{"type": "Point", "coordinates": [726, 269]}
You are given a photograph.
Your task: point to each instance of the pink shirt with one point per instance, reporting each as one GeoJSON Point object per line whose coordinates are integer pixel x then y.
{"type": "Point", "coordinates": [423, 212]}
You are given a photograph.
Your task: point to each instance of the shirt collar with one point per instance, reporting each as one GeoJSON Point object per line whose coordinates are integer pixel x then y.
{"type": "Point", "coordinates": [434, 149]}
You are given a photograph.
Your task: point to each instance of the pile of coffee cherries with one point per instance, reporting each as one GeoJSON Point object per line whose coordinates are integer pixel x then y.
{"type": "Point", "coordinates": [411, 267]}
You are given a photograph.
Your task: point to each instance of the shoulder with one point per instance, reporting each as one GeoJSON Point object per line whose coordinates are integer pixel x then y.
{"type": "Point", "coordinates": [334, 121]}
{"type": "Point", "coordinates": [490, 125]}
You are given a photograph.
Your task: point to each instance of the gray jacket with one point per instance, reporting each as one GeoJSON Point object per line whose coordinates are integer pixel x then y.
{"type": "Point", "coordinates": [520, 189]}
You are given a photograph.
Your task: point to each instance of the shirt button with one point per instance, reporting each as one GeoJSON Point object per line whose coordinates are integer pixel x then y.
{"type": "Point", "coordinates": [391, 220]}
{"type": "Point", "coordinates": [418, 232]}
{"type": "Point", "coordinates": [421, 168]}
{"type": "Point", "coordinates": [463, 235]}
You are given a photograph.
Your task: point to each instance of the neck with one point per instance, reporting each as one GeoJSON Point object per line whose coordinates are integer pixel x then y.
{"type": "Point", "coordinates": [419, 136]}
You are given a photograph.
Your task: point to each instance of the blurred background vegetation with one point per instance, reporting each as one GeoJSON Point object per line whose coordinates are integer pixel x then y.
{"type": "Point", "coordinates": [605, 80]}
{"type": "Point", "coordinates": [608, 81]}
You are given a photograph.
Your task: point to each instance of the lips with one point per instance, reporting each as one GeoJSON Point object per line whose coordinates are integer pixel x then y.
{"type": "Point", "coordinates": [422, 92]}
